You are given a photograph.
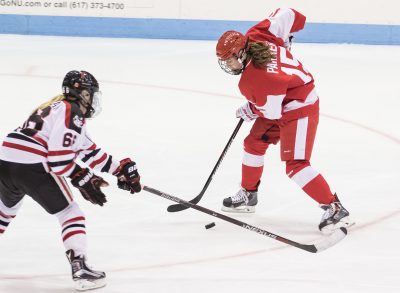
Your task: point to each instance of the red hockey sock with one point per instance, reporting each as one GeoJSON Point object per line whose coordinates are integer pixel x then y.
{"type": "Point", "coordinates": [318, 189]}
{"type": "Point", "coordinates": [310, 181]}
{"type": "Point", "coordinates": [251, 177]}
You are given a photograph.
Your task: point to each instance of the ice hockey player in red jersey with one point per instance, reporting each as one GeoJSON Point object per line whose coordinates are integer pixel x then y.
{"type": "Point", "coordinates": [282, 99]}
{"type": "Point", "coordinates": [36, 158]}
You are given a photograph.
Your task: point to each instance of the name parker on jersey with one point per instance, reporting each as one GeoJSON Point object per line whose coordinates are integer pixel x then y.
{"type": "Point", "coordinates": [272, 67]}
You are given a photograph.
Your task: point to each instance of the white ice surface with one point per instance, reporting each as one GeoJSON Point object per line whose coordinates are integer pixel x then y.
{"type": "Point", "coordinates": [168, 105]}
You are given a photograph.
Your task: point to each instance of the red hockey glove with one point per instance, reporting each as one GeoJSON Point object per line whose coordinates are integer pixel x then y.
{"type": "Point", "coordinates": [128, 176]}
{"type": "Point", "coordinates": [246, 113]}
{"type": "Point", "coordinates": [89, 185]}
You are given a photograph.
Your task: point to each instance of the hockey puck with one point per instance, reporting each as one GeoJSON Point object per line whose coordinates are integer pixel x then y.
{"type": "Point", "coordinates": [208, 226]}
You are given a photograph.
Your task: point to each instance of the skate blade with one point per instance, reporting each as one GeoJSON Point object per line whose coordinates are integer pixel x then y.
{"type": "Point", "coordinates": [84, 285]}
{"type": "Point", "coordinates": [241, 209]}
{"type": "Point", "coordinates": [346, 222]}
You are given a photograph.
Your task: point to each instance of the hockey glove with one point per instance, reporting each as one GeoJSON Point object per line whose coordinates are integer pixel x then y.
{"type": "Point", "coordinates": [128, 176]}
{"type": "Point", "coordinates": [89, 185]}
{"type": "Point", "coordinates": [288, 42]}
{"type": "Point", "coordinates": [246, 113]}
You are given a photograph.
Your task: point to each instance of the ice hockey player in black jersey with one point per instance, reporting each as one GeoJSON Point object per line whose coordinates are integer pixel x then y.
{"type": "Point", "coordinates": [36, 159]}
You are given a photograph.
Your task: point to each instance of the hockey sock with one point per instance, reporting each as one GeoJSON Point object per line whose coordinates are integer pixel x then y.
{"type": "Point", "coordinates": [310, 181]}
{"type": "Point", "coordinates": [7, 214]}
{"type": "Point", "coordinates": [251, 177]}
{"type": "Point", "coordinates": [252, 169]}
{"type": "Point", "coordinates": [73, 233]}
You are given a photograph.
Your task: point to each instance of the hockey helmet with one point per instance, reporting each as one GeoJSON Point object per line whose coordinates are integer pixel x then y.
{"type": "Point", "coordinates": [74, 83]}
{"type": "Point", "coordinates": [231, 44]}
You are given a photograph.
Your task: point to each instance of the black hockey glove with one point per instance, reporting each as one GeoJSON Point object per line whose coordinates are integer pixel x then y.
{"type": "Point", "coordinates": [89, 185]}
{"type": "Point", "coordinates": [288, 42]}
{"type": "Point", "coordinates": [128, 176]}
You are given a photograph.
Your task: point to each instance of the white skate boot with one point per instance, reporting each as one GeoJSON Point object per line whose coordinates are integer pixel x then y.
{"type": "Point", "coordinates": [242, 202]}
{"type": "Point", "coordinates": [84, 277]}
{"type": "Point", "coordinates": [334, 217]}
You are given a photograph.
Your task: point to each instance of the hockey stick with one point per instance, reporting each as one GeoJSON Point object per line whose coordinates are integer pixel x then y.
{"type": "Point", "coordinates": [329, 241]}
{"type": "Point", "coordinates": [180, 207]}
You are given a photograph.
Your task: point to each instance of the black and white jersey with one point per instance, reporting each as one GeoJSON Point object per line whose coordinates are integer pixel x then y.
{"type": "Point", "coordinates": [56, 136]}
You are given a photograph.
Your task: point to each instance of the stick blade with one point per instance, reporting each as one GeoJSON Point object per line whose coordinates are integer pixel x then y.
{"type": "Point", "coordinates": [176, 208]}
{"type": "Point", "coordinates": [331, 240]}
{"type": "Point", "coordinates": [179, 207]}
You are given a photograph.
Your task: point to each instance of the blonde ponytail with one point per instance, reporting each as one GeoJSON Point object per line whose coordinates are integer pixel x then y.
{"type": "Point", "coordinates": [50, 102]}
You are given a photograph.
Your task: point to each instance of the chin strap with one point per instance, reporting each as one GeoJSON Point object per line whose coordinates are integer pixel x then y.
{"type": "Point", "coordinates": [89, 109]}
{"type": "Point", "coordinates": [243, 57]}
{"type": "Point", "coordinates": [74, 96]}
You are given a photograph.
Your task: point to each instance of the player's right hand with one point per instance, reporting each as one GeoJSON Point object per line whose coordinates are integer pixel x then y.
{"type": "Point", "coordinates": [128, 176]}
{"type": "Point", "coordinates": [246, 113]}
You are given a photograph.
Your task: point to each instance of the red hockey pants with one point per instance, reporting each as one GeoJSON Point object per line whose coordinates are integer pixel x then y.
{"type": "Point", "coordinates": [296, 143]}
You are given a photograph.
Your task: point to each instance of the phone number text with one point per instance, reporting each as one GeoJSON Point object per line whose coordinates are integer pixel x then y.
{"type": "Point", "coordinates": [95, 5]}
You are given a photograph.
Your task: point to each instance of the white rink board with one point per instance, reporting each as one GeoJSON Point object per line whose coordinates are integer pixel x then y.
{"type": "Point", "coordinates": [339, 11]}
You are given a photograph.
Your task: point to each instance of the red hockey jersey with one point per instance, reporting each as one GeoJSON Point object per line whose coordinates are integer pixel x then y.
{"type": "Point", "coordinates": [56, 136]}
{"type": "Point", "coordinates": [284, 89]}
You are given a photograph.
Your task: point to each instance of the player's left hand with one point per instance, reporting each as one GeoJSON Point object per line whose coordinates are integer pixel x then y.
{"type": "Point", "coordinates": [90, 185]}
{"type": "Point", "coordinates": [288, 42]}
{"type": "Point", "coordinates": [128, 176]}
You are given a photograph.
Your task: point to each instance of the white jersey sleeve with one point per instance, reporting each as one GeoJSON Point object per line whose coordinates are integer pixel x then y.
{"type": "Point", "coordinates": [285, 21]}
{"type": "Point", "coordinates": [94, 157]}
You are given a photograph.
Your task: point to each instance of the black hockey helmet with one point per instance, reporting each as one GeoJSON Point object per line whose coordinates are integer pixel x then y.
{"type": "Point", "coordinates": [74, 83]}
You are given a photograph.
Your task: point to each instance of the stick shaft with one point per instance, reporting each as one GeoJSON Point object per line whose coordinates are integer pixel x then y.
{"type": "Point", "coordinates": [307, 247]}
{"type": "Point", "coordinates": [181, 207]}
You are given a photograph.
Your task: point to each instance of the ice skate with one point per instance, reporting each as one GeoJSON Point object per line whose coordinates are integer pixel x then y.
{"type": "Point", "coordinates": [84, 277]}
{"type": "Point", "coordinates": [334, 217]}
{"type": "Point", "coordinates": [242, 202]}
